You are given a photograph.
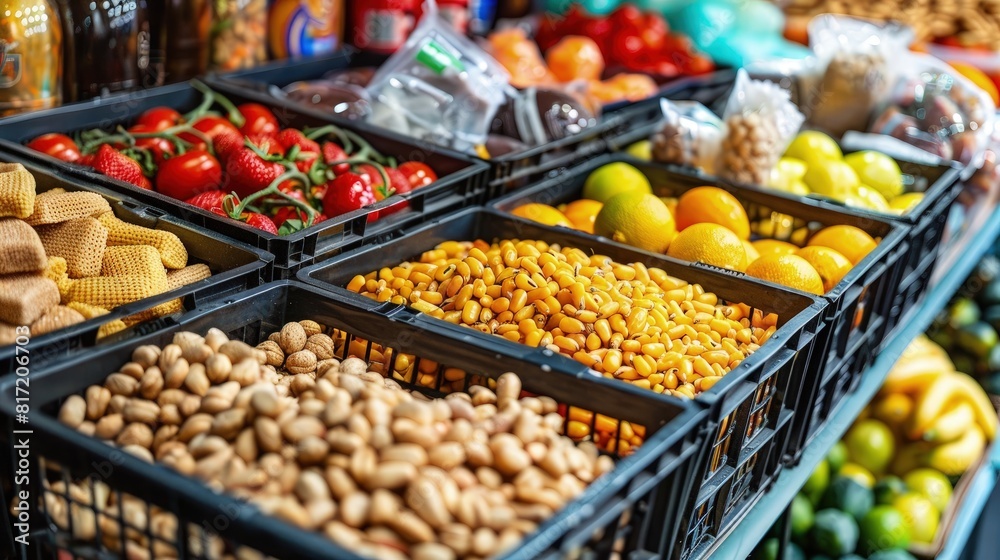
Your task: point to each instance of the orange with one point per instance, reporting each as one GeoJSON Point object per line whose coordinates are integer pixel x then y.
{"type": "Point", "coordinates": [766, 247]}
{"type": "Point", "coordinates": [633, 87]}
{"type": "Point", "coordinates": [978, 77]}
{"type": "Point", "coordinates": [849, 241]}
{"type": "Point", "coordinates": [752, 253]}
{"type": "Point", "coordinates": [709, 244]}
{"type": "Point", "coordinates": [575, 58]}
{"type": "Point", "coordinates": [787, 270]}
{"type": "Point", "coordinates": [542, 213]}
{"type": "Point", "coordinates": [582, 213]}
{"type": "Point", "coordinates": [712, 205]}
{"type": "Point", "coordinates": [831, 265]}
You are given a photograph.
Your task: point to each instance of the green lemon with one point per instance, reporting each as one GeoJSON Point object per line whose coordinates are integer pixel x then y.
{"type": "Point", "coordinates": [641, 150]}
{"type": "Point", "coordinates": [638, 219]}
{"type": "Point", "coordinates": [883, 528]}
{"type": "Point", "coordinates": [613, 179]}
{"type": "Point", "coordinates": [832, 178]}
{"type": "Point", "coordinates": [932, 485]}
{"type": "Point", "coordinates": [920, 515]}
{"type": "Point", "coordinates": [870, 444]}
{"type": "Point", "coordinates": [811, 146]}
{"type": "Point", "coordinates": [837, 456]}
{"type": "Point", "coordinates": [816, 484]}
{"type": "Point", "coordinates": [847, 495]}
{"type": "Point", "coordinates": [801, 516]}
{"type": "Point", "coordinates": [878, 171]}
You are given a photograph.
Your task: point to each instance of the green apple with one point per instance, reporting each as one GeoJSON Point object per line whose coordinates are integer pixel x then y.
{"type": "Point", "coordinates": [878, 171]}
{"type": "Point", "coordinates": [811, 147]}
{"type": "Point", "coordinates": [832, 178]}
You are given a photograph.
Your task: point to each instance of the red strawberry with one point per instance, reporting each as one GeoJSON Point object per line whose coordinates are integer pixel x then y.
{"type": "Point", "coordinates": [305, 161]}
{"type": "Point", "coordinates": [86, 160]}
{"type": "Point", "coordinates": [248, 173]}
{"type": "Point", "coordinates": [117, 165]}
{"type": "Point", "coordinates": [226, 144]}
{"type": "Point", "coordinates": [267, 143]}
{"type": "Point", "coordinates": [259, 221]}
{"type": "Point", "coordinates": [293, 137]}
{"type": "Point", "coordinates": [333, 152]}
{"type": "Point", "coordinates": [347, 193]}
{"type": "Point", "coordinates": [208, 200]}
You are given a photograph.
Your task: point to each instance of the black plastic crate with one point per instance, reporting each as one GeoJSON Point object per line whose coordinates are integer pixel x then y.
{"type": "Point", "coordinates": [605, 516]}
{"type": "Point", "coordinates": [462, 180]}
{"type": "Point", "coordinates": [859, 307]}
{"type": "Point", "coordinates": [235, 267]}
{"type": "Point", "coordinates": [744, 407]}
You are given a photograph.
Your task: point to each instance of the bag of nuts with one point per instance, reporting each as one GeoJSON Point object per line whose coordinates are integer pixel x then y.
{"type": "Point", "coordinates": [691, 135]}
{"type": "Point", "coordinates": [760, 121]}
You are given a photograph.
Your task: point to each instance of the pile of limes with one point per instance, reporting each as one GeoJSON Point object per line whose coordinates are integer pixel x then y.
{"type": "Point", "coordinates": [705, 224]}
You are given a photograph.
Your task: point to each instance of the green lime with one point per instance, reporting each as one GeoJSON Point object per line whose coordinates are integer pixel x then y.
{"type": "Point", "coordinates": [962, 313]}
{"type": "Point", "coordinates": [816, 484]}
{"type": "Point", "coordinates": [846, 495]}
{"type": "Point", "coordinates": [977, 339]}
{"type": "Point", "coordinates": [878, 171]}
{"type": "Point", "coordinates": [932, 485]}
{"type": "Point", "coordinates": [768, 550]}
{"type": "Point", "coordinates": [801, 516]}
{"type": "Point", "coordinates": [812, 146]}
{"type": "Point", "coordinates": [883, 528]}
{"type": "Point", "coordinates": [888, 489]}
{"type": "Point", "coordinates": [990, 295]}
{"type": "Point", "coordinates": [870, 444]}
{"type": "Point", "coordinates": [834, 533]}
{"type": "Point", "coordinates": [837, 456]}
{"type": "Point", "coordinates": [615, 178]}
{"type": "Point", "coordinates": [921, 516]}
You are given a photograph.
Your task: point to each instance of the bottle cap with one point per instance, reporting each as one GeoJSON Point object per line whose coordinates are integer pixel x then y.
{"type": "Point", "coordinates": [435, 57]}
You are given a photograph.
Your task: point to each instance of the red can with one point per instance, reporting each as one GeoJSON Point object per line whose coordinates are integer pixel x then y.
{"type": "Point", "coordinates": [382, 26]}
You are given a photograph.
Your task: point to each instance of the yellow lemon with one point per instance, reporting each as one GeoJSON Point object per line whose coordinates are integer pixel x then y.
{"type": "Point", "coordinates": [893, 410]}
{"type": "Point", "coordinates": [583, 213]}
{"type": "Point", "coordinates": [878, 171]}
{"type": "Point", "coordinates": [831, 265]}
{"type": "Point", "coordinates": [710, 244]}
{"type": "Point", "coordinates": [849, 241]}
{"type": "Point", "coordinates": [832, 178]}
{"type": "Point", "coordinates": [615, 178]}
{"type": "Point", "coordinates": [905, 202]}
{"type": "Point", "coordinates": [787, 270]}
{"type": "Point", "coordinates": [642, 149]}
{"type": "Point", "coordinates": [638, 219]}
{"type": "Point", "coordinates": [920, 515]}
{"type": "Point", "coordinates": [766, 247]}
{"type": "Point", "coordinates": [812, 146]}
{"type": "Point", "coordinates": [542, 213]}
{"type": "Point", "coordinates": [752, 253]}
{"type": "Point", "coordinates": [867, 197]}
{"type": "Point", "coordinates": [858, 474]}
{"type": "Point", "coordinates": [712, 205]}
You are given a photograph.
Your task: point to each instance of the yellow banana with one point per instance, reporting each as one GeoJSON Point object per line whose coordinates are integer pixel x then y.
{"type": "Point", "coordinates": [953, 459]}
{"type": "Point", "coordinates": [953, 386]}
{"type": "Point", "coordinates": [911, 376]}
{"type": "Point", "coordinates": [951, 425]}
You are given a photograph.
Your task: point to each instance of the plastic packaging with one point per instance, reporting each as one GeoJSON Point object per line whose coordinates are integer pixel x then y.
{"type": "Point", "coordinates": [691, 135]}
{"type": "Point", "coordinates": [760, 121]}
{"type": "Point", "coordinates": [439, 87]}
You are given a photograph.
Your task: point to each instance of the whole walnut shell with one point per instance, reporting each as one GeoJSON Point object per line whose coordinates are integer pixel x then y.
{"type": "Point", "coordinates": [302, 361]}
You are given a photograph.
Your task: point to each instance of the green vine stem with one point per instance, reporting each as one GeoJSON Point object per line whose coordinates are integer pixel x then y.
{"type": "Point", "coordinates": [270, 190]}
{"type": "Point", "coordinates": [211, 96]}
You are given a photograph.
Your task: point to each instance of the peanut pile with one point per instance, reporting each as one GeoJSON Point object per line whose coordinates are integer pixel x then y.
{"type": "Point", "coordinates": [65, 258]}
{"type": "Point", "coordinates": [329, 446]}
{"type": "Point", "coordinates": [629, 322]}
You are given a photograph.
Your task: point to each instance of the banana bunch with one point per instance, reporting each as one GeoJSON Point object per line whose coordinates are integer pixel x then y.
{"type": "Point", "coordinates": [942, 419]}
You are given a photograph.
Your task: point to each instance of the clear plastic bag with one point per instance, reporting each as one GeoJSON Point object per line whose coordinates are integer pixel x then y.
{"type": "Point", "coordinates": [440, 87]}
{"type": "Point", "coordinates": [760, 121]}
{"type": "Point", "coordinates": [691, 135]}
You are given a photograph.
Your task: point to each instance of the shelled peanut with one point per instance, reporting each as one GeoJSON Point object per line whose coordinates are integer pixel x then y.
{"type": "Point", "coordinates": [66, 258]}
{"type": "Point", "coordinates": [627, 321]}
{"type": "Point", "coordinates": [332, 446]}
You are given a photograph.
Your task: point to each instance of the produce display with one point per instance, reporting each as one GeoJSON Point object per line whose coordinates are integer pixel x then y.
{"type": "Point", "coordinates": [328, 445]}
{"type": "Point", "coordinates": [241, 165]}
{"type": "Point", "coordinates": [626, 321]}
{"type": "Point", "coordinates": [708, 225]}
{"type": "Point", "coordinates": [888, 484]}
{"type": "Point", "coordinates": [68, 258]}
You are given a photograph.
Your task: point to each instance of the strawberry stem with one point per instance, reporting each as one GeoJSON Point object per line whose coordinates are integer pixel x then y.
{"type": "Point", "coordinates": [327, 130]}
{"type": "Point", "coordinates": [273, 189]}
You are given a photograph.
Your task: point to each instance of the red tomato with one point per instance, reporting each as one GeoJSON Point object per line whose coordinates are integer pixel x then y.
{"type": "Point", "coordinates": [159, 147]}
{"type": "Point", "coordinates": [159, 118]}
{"type": "Point", "coordinates": [418, 174]}
{"type": "Point", "coordinates": [59, 146]}
{"type": "Point", "coordinates": [211, 126]}
{"type": "Point", "coordinates": [259, 119]}
{"type": "Point", "coordinates": [188, 174]}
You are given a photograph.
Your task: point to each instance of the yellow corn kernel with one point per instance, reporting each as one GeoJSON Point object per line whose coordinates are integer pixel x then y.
{"type": "Point", "coordinates": [173, 254]}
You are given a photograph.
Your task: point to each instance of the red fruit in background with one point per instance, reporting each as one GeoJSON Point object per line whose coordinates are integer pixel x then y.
{"type": "Point", "coordinates": [248, 173]}
{"type": "Point", "coordinates": [333, 152]}
{"type": "Point", "coordinates": [601, 31]}
{"type": "Point", "coordinates": [208, 200]}
{"type": "Point", "coordinates": [259, 221]}
{"type": "Point", "coordinates": [117, 165]}
{"type": "Point", "coordinates": [346, 193]}
{"type": "Point", "coordinates": [59, 146]}
{"type": "Point", "coordinates": [259, 119]}
{"type": "Point", "coordinates": [653, 31]}
{"type": "Point", "coordinates": [188, 174]}
{"type": "Point", "coordinates": [292, 137]}
{"type": "Point", "coordinates": [626, 16]}
{"type": "Point", "coordinates": [159, 118]}
{"type": "Point", "coordinates": [226, 144]}
{"type": "Point", "coordinates": [159, 147]}
{"type": "Point", "coordinates": [418, 174]}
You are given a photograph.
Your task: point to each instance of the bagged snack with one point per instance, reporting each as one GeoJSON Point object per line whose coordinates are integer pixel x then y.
{"type": "Point", "coordinates": [760, 121]}
{"type": "Point", "coordinates": [691, 135]}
